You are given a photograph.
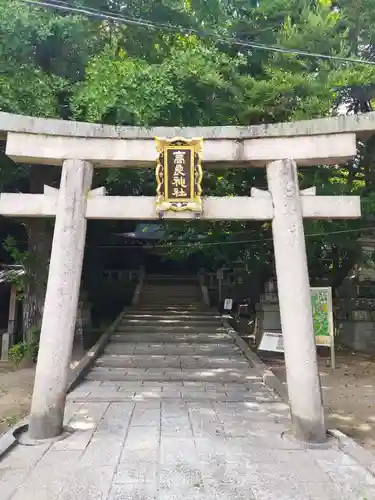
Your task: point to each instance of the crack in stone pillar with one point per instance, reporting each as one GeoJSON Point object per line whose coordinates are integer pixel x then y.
{"type": "Point", "coordinates": [304, 389]}
{"type": "Point", "coordinates": [60, 309]}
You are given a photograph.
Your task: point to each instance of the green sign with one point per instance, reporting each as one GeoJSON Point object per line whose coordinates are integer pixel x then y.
{"type": "Point", "coordinates": [321, 301]}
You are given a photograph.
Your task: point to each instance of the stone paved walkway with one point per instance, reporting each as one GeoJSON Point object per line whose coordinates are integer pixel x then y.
{"type": "Point", "coordinates": [177, 450]}
{"type": "Point", "coordinates": [177, 412]}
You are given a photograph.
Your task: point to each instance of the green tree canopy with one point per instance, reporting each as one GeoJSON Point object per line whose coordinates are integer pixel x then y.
{"type": "Point", "coordinates": [196, 67]}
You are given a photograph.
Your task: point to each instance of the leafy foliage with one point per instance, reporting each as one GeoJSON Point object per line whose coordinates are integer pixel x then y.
{"type": "Point", "coordinates": [69, 66]}
{"type": "Point", "coordinates": [27, 349]}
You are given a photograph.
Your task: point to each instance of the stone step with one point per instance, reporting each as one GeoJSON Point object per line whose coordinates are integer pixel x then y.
{"type": "Point", "coordinates": [161, 302]}
{"type": "Point", "coordinates": [164, 330]}
{"type": "Point", "coordinates": [175, 396]}
{"type": "Point", "coordinates": [172, 288]}
{"type": "Point", "coordinates": [184, 309]}
{"type": "Point", "coordinates": [197, 305]}
{"type": "Point", "coordinates": [175, 281]}
{"type": "Point", "coordinates": [205, 322]}
{"type": "Point", "coordinates": [211, 324]}
{"type": "Point", "coordinates": [172, 312]}
{"type": "Point", "coordinates": [173, 297]}
{"type": "Point", "coordinates": [171, 320]}
{"type": "Point", "coordinates": [168, 283]}
{"type": "Point", "coordinates": [139, 329]}
{"type": "Point", "coordinates": [120, 390]}
{"type": "Point", "coordinates": [171, 292]}
{"type": "Point", "coordinates": [175, 313]}
{"type": "Point", "coordinates": [160, 296]}
{"type": "Point", "coordinates": [169, 336]}
{"type": "Point", "coordinates": [173, 316]}
{"type": "Point", "coordinates": [167, 386]}
{"type": "Point", "coordinates": [191, 285]}
{"type": "Point", "coordinates": [223, 375]}
{"type": "Point", "coordinates": [169, 298]}
{"type": "Point", "coordinates": [171, 305]}
{"type": "Point", "coordinates": [225, 344]}
{"type": "Point", "coordinates": [172, 338]}
{"type": "Point", "coordinates": [172, 280]}
{"type": "Point", "coordinates": [172, 349]}
{"type": "Point", "coordinates": [146, 361]}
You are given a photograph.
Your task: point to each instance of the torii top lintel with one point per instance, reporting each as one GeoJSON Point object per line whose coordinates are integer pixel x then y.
{"type": "Point", "coordinates": [309, 142]}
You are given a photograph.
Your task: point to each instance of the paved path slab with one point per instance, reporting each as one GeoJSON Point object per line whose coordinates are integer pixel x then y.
{"type": "Point", "coordinates": [166, 417]}
{"type": "Point", "coordinates": [176, 449]}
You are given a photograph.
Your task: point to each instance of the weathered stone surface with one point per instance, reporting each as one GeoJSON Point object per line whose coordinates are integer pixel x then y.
{"type": "Point", "coordinates": [60, 308]}
{"type": "Point", "coordinates": [57, 467]}
{"type": "Point", "coordinates": [304, 389]}
{"type": "Point", "coordinates": [306, 150]}
{"type": "Point", "coordinates": [10, 479]}
{"type": "Point", "coordinates": [178, 441]}
{"type": "Point", "coordinates": [23, 457]}
{"type": "Point", "coordinates": [133, 491]}
{"type": "Point", "coordinates": [88, 483]}
{"type": "Point", "coordinates": [362, 124]}
{"type": "Point", "coordinates": [159, 462]}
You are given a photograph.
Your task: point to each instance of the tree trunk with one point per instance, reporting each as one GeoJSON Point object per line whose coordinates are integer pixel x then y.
{"type": "Point", "coordinates": [36, 267]}
{"type": "Point", "coordinates": [40, 233]}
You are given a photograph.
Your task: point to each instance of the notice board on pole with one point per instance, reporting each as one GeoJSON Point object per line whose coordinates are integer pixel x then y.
{"type": "Point", "coordinates": [321, 302]}
{"type": "Point", "coordinates": [322, 312]}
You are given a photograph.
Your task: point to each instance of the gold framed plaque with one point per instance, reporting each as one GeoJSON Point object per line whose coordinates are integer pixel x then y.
{"type": "Point", "coordinates": [179, 175]}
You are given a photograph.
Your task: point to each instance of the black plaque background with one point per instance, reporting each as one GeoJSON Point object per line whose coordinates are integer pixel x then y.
{"type": "Point", "coordinates": [170, 166]}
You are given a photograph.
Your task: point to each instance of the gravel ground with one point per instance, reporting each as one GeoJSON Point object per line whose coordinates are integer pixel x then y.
{"type": "Point", "coordinates": [348, 393]}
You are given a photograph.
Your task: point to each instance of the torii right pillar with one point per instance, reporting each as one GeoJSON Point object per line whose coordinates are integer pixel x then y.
{"type": "Point", "coordinates": [304, 389]}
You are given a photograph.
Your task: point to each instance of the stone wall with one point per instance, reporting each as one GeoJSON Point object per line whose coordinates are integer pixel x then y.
{"type": "Point", "coordinates": [355, 304]}
{"type": "Point", "coordinates": [354, 315]}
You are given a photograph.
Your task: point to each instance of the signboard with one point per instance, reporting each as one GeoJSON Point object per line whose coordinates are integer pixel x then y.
{"type": "Point", "coordinates": [228, 304]}
{"type": "Point", "coordinates": [179, 175]}
{"type": "Point", "coordinates": [272, 341]}
{"type": "Point", "coordinates": [322, 311]}
{"type": "Point", "coordinates": [321, 301]}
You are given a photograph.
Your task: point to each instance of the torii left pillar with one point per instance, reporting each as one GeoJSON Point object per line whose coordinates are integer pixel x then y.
{"type": "Point", "coordinates": [60, 309]}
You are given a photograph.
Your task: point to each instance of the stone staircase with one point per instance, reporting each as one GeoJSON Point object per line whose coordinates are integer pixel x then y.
{"type": "Point", "coordinates": [170, 347]}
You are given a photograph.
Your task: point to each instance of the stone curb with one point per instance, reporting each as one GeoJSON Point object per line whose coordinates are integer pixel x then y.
{"type": "Point", "coordinates": [364, 458]}
{"type": "Point", "coordinates": [9, 440]}
{"type": "Point", "coordinates": [355, 450]}
{"type": "Point", "coordinates": [266, 374]}
{"type": "Point", "coordinates": [91, 356]}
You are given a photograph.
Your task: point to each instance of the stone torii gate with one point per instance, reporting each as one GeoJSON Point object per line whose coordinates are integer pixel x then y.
{"type": "Point", "coordinates": [79, 147]}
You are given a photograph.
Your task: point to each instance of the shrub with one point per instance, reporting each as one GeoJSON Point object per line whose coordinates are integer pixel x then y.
{"type": "Point", "coordinates": [33, 336]}
{"type": "Point", "coordinates": [17, 353]}
{"type": "Point", "coordinates": [28, 349]}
